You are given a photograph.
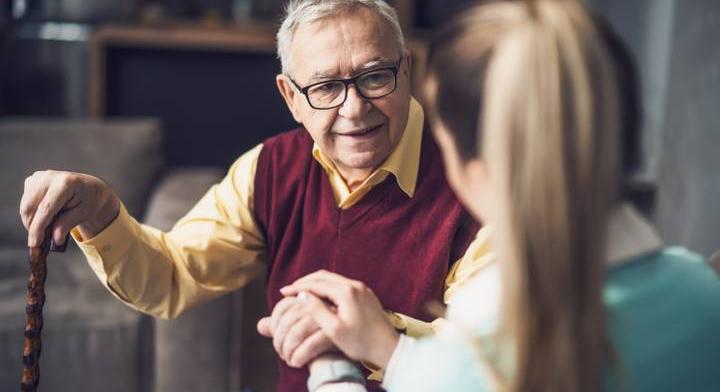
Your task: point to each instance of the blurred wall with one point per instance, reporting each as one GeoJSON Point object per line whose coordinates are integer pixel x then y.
{"type": "Point", "coordinates": [689, 172]}
{"type": "Point", "coordinates": [647, 27]}
{"type": "Point", "coordinates": [678, 52]}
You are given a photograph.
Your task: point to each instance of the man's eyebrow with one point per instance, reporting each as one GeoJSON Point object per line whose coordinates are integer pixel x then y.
{"type": "Point", "coordinates": [374, 63]}
{"type": "Point", "coordinates": [320, 76]}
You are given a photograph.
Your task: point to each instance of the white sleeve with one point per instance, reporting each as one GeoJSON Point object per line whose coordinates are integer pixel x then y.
{"type": "Point", "coordinates": [452, 360]}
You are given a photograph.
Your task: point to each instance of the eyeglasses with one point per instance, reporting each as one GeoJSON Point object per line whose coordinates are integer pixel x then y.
{"type": "Point", "coordinates": [372, 84]}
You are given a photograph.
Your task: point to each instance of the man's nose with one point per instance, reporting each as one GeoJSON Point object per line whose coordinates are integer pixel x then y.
{"type": "Point", "coordinates": [355, 105]}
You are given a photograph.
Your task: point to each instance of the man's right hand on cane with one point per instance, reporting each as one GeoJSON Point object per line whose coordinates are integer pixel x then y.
{"type": "Point", "coordinates": [66, 200]}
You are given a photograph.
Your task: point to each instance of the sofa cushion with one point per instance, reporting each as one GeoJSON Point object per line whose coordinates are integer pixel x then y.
{"type": "Point", "coordinates": [125, 153]}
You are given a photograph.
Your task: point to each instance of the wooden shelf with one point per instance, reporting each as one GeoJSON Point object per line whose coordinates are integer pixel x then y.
{"type": "Point", "coordinates": [253, 36]}
{"type": "Point", "coordinates": [250, 37]}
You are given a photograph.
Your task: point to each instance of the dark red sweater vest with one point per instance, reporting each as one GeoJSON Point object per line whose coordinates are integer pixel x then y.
{"type": "Point", "coordinates": [401, 247]}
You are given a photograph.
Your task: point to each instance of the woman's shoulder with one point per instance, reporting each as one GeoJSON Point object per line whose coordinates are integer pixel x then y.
{"type": "Point", "coordinates": [663, 315]}
{"type": "Point", "coordinates": [672, 266]}
{"type": "Point", "coordinates": [672, 287]}
{"type": "Point", "coordinates": [670, 273]}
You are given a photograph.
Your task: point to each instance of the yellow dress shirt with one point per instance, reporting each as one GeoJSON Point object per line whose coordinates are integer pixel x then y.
{"type": "Point", "coordinates": [217, 246]}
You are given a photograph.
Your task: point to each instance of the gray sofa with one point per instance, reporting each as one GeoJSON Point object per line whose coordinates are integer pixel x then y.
{"type": "Point", "coordinates": [91, 341]}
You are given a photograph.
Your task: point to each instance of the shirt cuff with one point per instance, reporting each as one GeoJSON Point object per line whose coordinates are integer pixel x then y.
{"type": "Point", "coordinates": [107, 249]}
{"type": "Point", "coordinates": [411, 326]}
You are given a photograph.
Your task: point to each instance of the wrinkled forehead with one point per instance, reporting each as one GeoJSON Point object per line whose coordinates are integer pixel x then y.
{"type": "Point", "coordinates": [342, 45]}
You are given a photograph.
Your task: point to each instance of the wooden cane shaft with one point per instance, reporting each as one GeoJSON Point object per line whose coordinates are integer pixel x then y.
{"type": "Point", "coordinates": [32, 343]}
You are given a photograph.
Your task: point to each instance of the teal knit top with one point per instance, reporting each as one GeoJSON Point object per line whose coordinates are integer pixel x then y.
{"type": "Point", "coordinates": [664, 319]}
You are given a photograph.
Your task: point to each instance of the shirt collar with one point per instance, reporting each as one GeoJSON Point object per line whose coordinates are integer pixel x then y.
{"type": "Point", "coordinates": [404, 161]}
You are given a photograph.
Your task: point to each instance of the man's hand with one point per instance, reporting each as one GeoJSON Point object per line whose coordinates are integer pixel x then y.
{"type": "Point", "coordinates": [355, 320]}
{"type": "Point", "coordinates": [296, 337]}
{"type": "Point", "coordinates": [66, 200]}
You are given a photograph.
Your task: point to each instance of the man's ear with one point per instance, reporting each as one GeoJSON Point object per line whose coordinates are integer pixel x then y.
{"type": "Point", "coordinates": [289, 94]}
{"type": "Point", "coordinates": [408, 60]}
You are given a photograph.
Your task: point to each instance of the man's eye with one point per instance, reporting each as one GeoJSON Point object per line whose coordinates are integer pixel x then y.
{"type": "Point", "coordinates": [376, 79]}
{"type": "Point", "coordinates": [327, 88]}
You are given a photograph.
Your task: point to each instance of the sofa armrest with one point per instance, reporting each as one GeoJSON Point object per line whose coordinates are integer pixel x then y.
{"type": "Point", "coordinates": [215, 346]}
{"type": "Point", "coordinates": [178, 191]}
{"type": "Point", "coordinates": [191, 352]}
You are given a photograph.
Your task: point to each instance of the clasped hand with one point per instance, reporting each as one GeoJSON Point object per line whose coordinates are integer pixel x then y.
{"type": "Point", "coordinates": [323, 312]}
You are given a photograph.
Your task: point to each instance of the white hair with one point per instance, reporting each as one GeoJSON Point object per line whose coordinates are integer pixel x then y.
{"type": "Point", "coordinates": [300, 12]}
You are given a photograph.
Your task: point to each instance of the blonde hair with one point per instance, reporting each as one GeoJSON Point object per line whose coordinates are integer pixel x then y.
{"type": "Point", "coordinates": [547, 128]}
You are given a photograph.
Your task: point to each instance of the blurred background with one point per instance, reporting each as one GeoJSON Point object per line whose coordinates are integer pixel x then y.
{"type": "Point", "coordinates": [159, 97]}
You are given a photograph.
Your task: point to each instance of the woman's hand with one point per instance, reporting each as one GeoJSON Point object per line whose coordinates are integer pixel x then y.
{"type": "Point", "coordinates": [349, 314]}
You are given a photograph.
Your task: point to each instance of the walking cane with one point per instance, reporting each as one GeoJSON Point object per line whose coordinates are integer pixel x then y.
{"type": "Point", "coordinates": [36, 299]}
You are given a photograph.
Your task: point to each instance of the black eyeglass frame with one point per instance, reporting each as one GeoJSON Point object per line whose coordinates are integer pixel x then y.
{"type": "Point", "coordinates": [347, 82]}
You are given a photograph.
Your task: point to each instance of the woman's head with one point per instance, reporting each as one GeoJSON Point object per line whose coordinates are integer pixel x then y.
{"type": "Point", "coordinates": [455, 86]}
{"type": "Point", "coordinates": [525, 107]}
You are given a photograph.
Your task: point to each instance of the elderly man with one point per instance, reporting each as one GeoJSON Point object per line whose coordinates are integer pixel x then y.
{"type": "Point", "coordinates": [359, 190]}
